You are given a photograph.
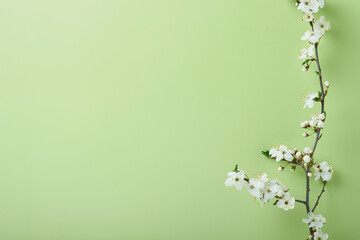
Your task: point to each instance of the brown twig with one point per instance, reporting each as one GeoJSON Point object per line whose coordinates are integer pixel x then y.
{"type": "Point", "coordinates": [300, 201]}
{"type": "Point", "coordinates": [318, 199]}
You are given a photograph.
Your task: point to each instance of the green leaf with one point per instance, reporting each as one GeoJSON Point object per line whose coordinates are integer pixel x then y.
{"type": "Point", "coordinates": [266, 153]}
{"type": "Point", "coordinates": [317, 72]}
{"type": "Point", "coordinates": [236, 168]}
{"type": "Point", "coordinates": [318, 99]}
{"type": "Point", "coordinates": [305, 62]}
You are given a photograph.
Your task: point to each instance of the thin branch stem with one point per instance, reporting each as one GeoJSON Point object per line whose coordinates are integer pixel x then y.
{"type": "Point", "coordinates": [322, 95]}
{"type": "Point", "coordinates": [307, 202]}
{"type": "Point", "coordinates": [300, 201]}
{"type": "Point", "coordinates": [307, 190]}
{"type": "Point", "coordinates": [318, 199]}
{"type": "Point", "coordinates": [317, 134]}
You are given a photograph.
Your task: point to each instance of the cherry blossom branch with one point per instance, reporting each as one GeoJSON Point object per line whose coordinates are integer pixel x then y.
{"type": "Point", "coordinates": [265, 189]}
{"type": "Point", "coordinates": [318, 199]}
{"type": "Point", "coordinates": [317, 137]}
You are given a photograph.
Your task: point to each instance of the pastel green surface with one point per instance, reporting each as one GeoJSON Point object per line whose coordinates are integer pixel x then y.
{"type": "Point", "coordinates": [120, 119]}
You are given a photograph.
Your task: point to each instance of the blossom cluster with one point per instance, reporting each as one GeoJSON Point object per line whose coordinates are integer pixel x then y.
{"type": "Point", "coordinates": [319, 235]}
{"type": "Point", "coordinates": [317, 222]}
{"type": "Point", "coordinates": [281, 152]}
{"type": "Point", "coordinates": [304, 156]}
{"type": "Point", "coordinates": [318, 27]}
{"type": "Point", "coordinates": [309, 7]}
{"type": "Point", "coordinates": [324, 171]}
{"type": "Point", "coordinates": [262, 188]}
{"type": "Point", "coordinates": [313, 220]}
{"type": "Point", "coordinates": [316, 123]}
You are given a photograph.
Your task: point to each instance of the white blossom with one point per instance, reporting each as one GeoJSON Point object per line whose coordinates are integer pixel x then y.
{"type": "Point", "coordinates": [307, 150]}
{"type": "Point", "coordinates": [320, 124]}
{"type": "Point", "coordinates": [281, 152]}
{"type": "Point", "coordinates": [278, 188]}
{"type": "Point", "coordinates": [307, 158]}
{"type": "Point", "coordinates": [324, 171]}
{"type": "Point", "coordinates": [312, 37]}
{"type": "Point", "coordinates": [321, 3]}
{"type": "Point", "coordinates": [306, 35]}
{"type": "Point", "coordinates": [256, 186]}
{"type": "Point", "coordinates": [318, 116]}
{"type": "Point", "coordinates": [315, 37]}
{"type": "Point", "coordinates": [309, 6]}
{"type": "Point", "coordinates": [236, 179]}
{"type": "Point", "coordinates": [308, 99]}
{"type": "Point", "coordinates": [307, 52]}
{"type": "Point", "coordinates": [304, 124]}
{"type": "Point", "coordinates": [259, 188]}
{"type": "Point", "coordinates": [313, 220]}
{"type": "Point", "coordinates": [312, 123]}
{"type": "Point", "coordinates": [319, 235]}
{"type": "Point", "coordinates": [286, 202]}
{"type": "Point", "coordinates": [321, 25]}
{"type": "Point", "coordinates": [308, 17]}
{"type": "Point", "coordinates": [317, 121]}
{"type": "Point", "coordinates": [288, 156]}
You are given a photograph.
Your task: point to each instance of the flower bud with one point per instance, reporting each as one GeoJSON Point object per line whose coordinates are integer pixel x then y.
{"type": "Point", "coordinates": [320, 124]}
{"type": "Point", "coordinates": [312, 123]}
{"type": "Point", "coordinates": [307, 150]}
{"type": "Point", "coordinates": [307, 158]}
{"type": "Point", "coordinates": [298, 154]}
{"type": "Point", "coordinates": [292, 168]}
{"type": "Point", "coordinates": [305, 134]}
{"type": "Point", "coordinates": [327, 84]}
{"type": "Point", "coordinates": [280, 169]}
{"type": "Point", "coordinates": [310, 174]}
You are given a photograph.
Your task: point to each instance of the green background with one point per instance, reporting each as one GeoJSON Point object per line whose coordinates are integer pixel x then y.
{"type": "Point", "coordinates": [120, 119]}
